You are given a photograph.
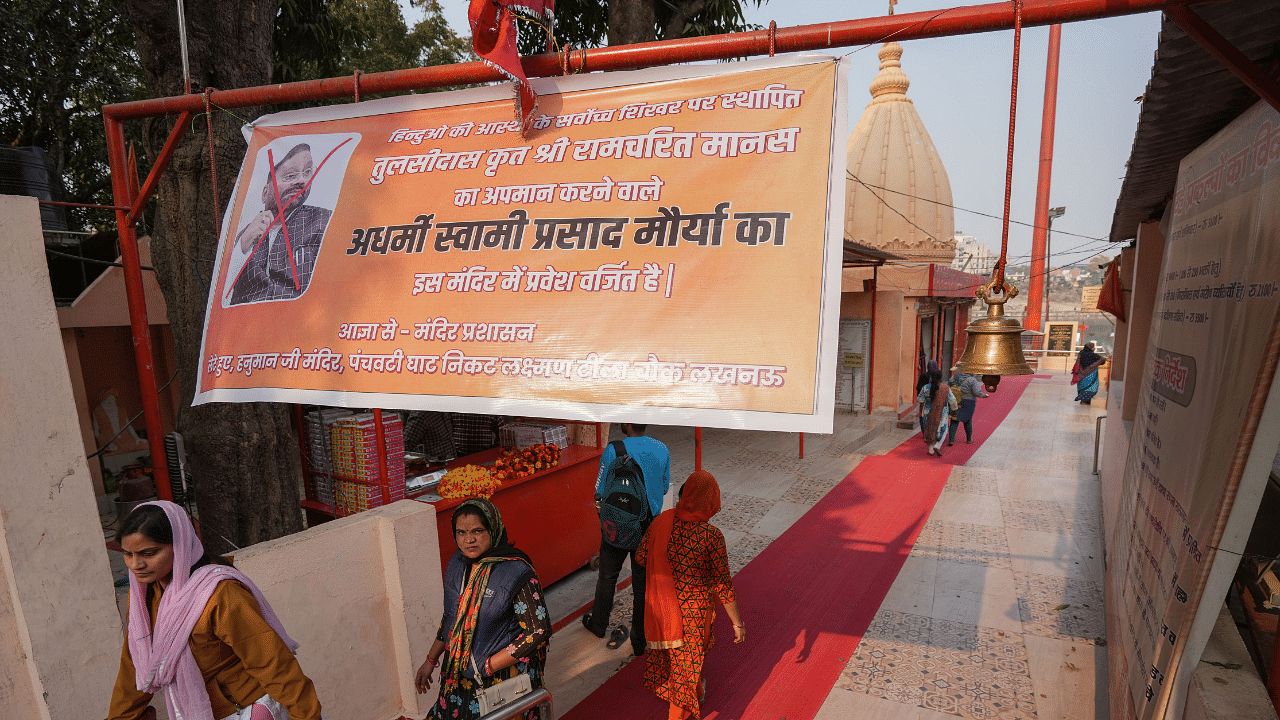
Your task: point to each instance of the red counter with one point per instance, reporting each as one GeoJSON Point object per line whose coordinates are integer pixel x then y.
{"type": "Point", "coordinates": [549, 515]}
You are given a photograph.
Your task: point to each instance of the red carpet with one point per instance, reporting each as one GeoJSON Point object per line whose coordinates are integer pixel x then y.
{"type": "Point", "coordinates": [986, 418]}
{"type": "Point", "coordinates": [806, 601]}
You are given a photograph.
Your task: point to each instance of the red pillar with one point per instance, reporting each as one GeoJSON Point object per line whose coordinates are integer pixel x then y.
{"type": "Point", "coordinates": [137, 301]}
{"type": "Point", "coordinates": [1040, 262]}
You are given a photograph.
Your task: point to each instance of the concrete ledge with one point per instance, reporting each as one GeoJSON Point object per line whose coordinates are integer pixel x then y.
{"type": "Point", "coordinates": [1226, 685]}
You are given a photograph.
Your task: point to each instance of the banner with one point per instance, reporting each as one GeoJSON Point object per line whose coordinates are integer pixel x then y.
{"type": "Point", "coordinates": [664, 246]}
{"type": "Point", "coordinates": [1207, 423]}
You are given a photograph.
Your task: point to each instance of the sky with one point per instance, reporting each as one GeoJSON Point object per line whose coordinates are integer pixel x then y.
{"type": "Point", "coordinates": [960, 87]}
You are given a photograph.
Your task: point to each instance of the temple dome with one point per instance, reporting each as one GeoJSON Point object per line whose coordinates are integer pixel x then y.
{"type": "Point", "coordinates": [890, 148]}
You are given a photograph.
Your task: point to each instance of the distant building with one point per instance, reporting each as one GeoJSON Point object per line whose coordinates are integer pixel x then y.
{"type": "Point", "coordinates": [973, 256]}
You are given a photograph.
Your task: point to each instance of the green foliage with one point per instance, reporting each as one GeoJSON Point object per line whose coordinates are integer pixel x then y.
{"type": "Point", "coordinates": [332, 38]}
{"type": "Point", "coordinates": [585, 23]}
{"type": "Point", "coordinates": [62, 62]}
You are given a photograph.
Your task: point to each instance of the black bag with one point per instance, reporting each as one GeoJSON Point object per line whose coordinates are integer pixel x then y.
{"type": "Point", "coordinates": [622, 502]}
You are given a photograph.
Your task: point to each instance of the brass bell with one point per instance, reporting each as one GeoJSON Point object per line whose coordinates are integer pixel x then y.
{"type": "Point", "coordinates": [993, 344]}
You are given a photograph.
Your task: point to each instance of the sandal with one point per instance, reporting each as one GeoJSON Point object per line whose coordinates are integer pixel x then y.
{"type": "Point", "coordinates": [617, 637]}
{"type": "Point", "coordinates": [586, 623]}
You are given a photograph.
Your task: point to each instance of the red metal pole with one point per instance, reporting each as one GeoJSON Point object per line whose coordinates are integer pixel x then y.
{"type": "Point", "coordinates": [697, 448]}
{"type": "Point", "coordinates": [1038, 285]}
{"type": "Point", "coordinates": [382, 456]}
{"type": "Point", "coordinates": [137, 300]}
{"type": "Point", "coordinates": [162, 163]}
{"type": "Point", "coordinates": [863, 31]}
{"type": "Point", "coordinates": [802, 438]}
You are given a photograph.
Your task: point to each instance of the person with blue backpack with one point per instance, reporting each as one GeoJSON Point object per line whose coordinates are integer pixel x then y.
{"type": "Point", "coordinates": [634, 477]}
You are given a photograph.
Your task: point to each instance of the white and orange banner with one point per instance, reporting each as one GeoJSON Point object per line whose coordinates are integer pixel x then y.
{"type": "Point", "coordinates": [1207, 423]}
{"type": "Point", "coordinates": [664, 246]}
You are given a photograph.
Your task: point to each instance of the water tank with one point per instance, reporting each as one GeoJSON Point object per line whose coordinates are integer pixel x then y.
{"type": "Point", "coordinates": [29, 171]}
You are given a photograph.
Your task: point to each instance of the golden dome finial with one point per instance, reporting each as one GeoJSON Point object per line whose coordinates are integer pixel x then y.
{"type": "Point", "coordinates": [891, 4]}
{"type": "Point", "coordinates": [891, 80]}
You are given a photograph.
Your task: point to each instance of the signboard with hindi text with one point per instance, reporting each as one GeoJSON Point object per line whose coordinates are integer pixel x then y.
{"type": "Point", "coordinates": [1208, 418]}
{"type": "Point", "coordinates": [1060, 337]}
{"type": "Point", "coordinates": [1089, 298]}
{"type": "Point", "coordinates": [664, 246]}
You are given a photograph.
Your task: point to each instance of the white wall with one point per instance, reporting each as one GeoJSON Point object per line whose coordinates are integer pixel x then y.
{"type": "Point", "coordinates": [59, 630]}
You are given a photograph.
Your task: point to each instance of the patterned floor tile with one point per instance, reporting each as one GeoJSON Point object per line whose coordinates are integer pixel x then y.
{"type": "Point", "coordinates": [963, 543]}
{"type": "Point", "coordinates": [1023, 443]}
{"type": "Point", "coordinates": [809, 490]}
{"type": "Point", "coordinates": [975, 481]}
{"type": "Point", "coordinates": [765, 460]}
{"type": "Point", "coordinates": [963, 670]}
{"type": "Point", "coordinates": [1065, 608]}
{"type": "Point", "coordinates": [745, 550]}
{"type": "Point", "coordinates": [1052, 517]}
{"type": "Point", "coordinates": [740, 512]}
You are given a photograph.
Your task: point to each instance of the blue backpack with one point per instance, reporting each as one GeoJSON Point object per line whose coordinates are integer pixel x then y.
{"type": "Point", "coordinates": [622, 501]}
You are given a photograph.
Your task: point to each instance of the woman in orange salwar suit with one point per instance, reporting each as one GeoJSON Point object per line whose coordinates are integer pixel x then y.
{"type": "Point", "coordinates": [688, 569]}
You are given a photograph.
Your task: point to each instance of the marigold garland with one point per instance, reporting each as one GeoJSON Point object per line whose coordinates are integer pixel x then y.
{"type": "Point", "coordinates": [515, 463]}
{"type": "Point", "coordinates": [466, 481]}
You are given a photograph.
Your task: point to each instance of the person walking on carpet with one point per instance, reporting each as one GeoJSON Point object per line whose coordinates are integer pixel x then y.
{"type": "Point", "coordinates": [200, 631]}
{"type": "Point", "coordinates": [1085, 374]}
{"type": "Point", "coordinates": [937, 414]}
{"type": "Point", "coordinates": [922, 382]}
{"type": "Point", "coordinates": [654, 461]}
{"type": "Point", "coordinates": [967, 390]}
{"type": "Point", "coordinates": [495, 626]}
{"type": "Point", "coordinates": [688, 570]}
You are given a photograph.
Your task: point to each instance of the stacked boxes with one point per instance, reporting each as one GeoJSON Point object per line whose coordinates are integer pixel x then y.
{"type": "Point", "coordinates": [529, 432]}
{"type": "Point", "coordinates": [316, 424]}
{"type": "Point", "coordinates": [354, 453]}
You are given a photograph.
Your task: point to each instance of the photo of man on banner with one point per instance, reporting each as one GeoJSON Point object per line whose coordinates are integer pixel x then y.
{"type": "Point", "coordinates": [274, 252]}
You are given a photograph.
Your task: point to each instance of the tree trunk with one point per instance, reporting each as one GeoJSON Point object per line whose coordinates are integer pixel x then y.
{"type": "Point", "coordinates": [682, 13]}
{"type": "Point", "coordinates": [243, 456]}
{"type": "Point", "coordinates": [631, 21]}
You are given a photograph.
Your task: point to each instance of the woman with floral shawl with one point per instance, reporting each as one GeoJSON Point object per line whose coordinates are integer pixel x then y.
{"type": "Point", "coordinates": [1085, 374]}
{"type": "Point", "coordinates": [495, 623]}
{"type": "Point", "coordinates": [688, 570]}
{"type": "Point", "coordinates": [200, 632]}
{"type": "Point", "coordinates": [936, 403]}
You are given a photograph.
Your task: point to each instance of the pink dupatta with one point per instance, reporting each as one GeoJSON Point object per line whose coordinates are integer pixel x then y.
{"type": "Point", "coordinates": [162, 655]}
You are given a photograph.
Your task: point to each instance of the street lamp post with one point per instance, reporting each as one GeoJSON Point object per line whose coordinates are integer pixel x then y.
{"type": "Point", "coordinates": [1048, 261]}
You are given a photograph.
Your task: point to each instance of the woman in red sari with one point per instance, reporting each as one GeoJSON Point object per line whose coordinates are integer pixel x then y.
{"type": "Point", "coordinates": [688, 570]}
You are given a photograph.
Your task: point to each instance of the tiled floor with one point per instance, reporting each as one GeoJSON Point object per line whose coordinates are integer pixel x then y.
{"type": "Point", "coordinates": [996, 614]}
{"type": "Point", "coordinates": [998, 611]}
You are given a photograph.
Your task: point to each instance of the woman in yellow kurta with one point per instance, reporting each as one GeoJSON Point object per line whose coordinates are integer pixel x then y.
{"type": "Point", "coordinates": [688, 570]}
{"type": "Point", "coordinates": [200, 631]}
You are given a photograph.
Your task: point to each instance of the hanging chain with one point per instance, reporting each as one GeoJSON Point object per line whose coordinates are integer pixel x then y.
{"type": "Point", "coordinates": [213, 165]}
{"type": "Point", "coordinates": [1008, 174]}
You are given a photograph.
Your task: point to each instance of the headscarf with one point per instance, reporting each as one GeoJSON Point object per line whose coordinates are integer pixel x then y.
{"type": "Point", "coordinates": [462, 634]}
{"type": "Point", "coordinates": [663, 622]}
{"type": "Point", "coordinates": [699, 498]}
{"type": "Point", "coordinates": [1086, 358]}
{"type": "Point", "coordinates": [932, 366]}
{"type": "Point", "coordinates": [162, 656]}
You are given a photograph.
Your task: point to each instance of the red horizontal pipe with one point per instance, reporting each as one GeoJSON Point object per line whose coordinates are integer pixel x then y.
{"type": "Point", "coordinates": [913, 26]}
{"type": "Point", "coordinates": [82, 205]}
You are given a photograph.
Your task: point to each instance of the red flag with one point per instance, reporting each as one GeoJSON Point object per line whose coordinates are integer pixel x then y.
{"type": "Point", "coordinates": [1111, 299]}
{"type": "Point", "coordinates": [493, 37]}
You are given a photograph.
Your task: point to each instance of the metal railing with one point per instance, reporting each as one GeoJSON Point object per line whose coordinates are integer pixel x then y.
{"type": "Point", "coordinates": [539, 698]}
{"type": "Point", "coordinates": [1097, 437]}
